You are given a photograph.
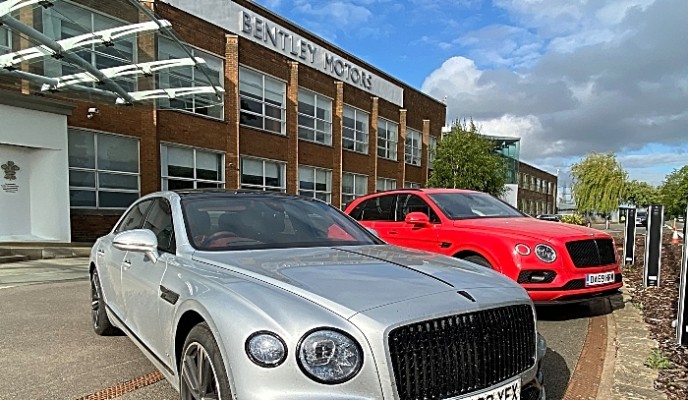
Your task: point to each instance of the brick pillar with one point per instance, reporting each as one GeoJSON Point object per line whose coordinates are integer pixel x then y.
{"type": "Point", "coordinates": [25, 17]}
{"type": "Point", "coordinates": [401, 149]}
{"type": "Point", "coordinates": [293, 128]}
{"type": "Point", "coordinates": [372, 144]}
{"type": "Point", "coordinates": [424, 152]}
{"type": "Point", "coordinates": [337, 145]}
{"type": "Point", "coordinates": [151, 169]}
{"type": "Point", "coordinates": [232, 158]}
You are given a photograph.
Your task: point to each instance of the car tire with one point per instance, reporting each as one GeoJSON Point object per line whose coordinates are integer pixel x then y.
{"type": "Point", "coordinates": [478, 260]}
{"type": "Point", "coordinates": [202, 354]}
{"type": "Point", "coordinates": [99, 318]}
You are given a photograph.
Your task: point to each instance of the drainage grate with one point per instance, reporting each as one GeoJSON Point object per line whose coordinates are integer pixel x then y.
{"type": "Point", "coordinates": [124, 387]}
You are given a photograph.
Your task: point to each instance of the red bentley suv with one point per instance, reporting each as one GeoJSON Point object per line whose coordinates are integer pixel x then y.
{"type": "Point", "coordinates": [554, 262]}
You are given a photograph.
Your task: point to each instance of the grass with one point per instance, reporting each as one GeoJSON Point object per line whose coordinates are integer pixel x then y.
{"type": "Point", "coordinates": [658, 361]}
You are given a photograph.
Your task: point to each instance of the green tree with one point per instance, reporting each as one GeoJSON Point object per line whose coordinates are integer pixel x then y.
{"type": "Point", "coordinates": [465, 159]}
{"type": "Point", "coordinates": [642, 194]}
{"type": "Point", "coordinates": [598, 183]}
{"type": "Point", "coordinates": [674, 191]}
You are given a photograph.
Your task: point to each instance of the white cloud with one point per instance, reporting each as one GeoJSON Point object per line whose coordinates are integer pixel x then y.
{"type": "Point", "coordinates": [616, 82]}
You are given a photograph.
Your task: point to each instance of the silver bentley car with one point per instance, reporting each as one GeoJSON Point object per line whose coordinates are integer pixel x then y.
{"type": "Point", "coordinates": [266, 296]}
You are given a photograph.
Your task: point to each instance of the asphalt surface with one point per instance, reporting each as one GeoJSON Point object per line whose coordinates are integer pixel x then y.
{"type": "Point", "coordinates": [49, 350]}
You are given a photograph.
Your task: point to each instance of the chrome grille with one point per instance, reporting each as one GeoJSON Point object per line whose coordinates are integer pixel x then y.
{"type": "Point", "coordinates": [592, 252]}
{"type": "Point", "coordinates": [460, 354]}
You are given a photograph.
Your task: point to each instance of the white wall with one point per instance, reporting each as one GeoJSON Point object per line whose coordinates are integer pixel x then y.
{"type": "Point", "coordinates": [510, 195]}
{"type": "Point", "coordinates": [37, 142]}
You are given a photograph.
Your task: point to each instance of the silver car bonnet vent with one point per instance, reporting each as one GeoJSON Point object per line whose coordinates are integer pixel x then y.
{"type": "Point", "coordinates": [466, 295]}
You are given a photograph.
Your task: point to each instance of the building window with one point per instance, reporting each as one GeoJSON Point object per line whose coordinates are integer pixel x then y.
{"type": "Point", "coordinates": [191, 168]}
{"type": "Point", "coordinates": [353, 185]}
{"type": "Point", "coordinates": [432, 148]}
{"type": "Point", "coordinates": [103, 170]}
{"type": "Point", "coordinates": [383, 184]}
{"type": "Point", "coordinates": [355, 130]}
{"type": "Point", "coordinates": [263, 174]}
{"type": "Point", "coordinates": [262, 101]}
{"type": "Point", "coordinates": [65, 20]}
{"type": "Point", "coordinates": [411, 185]}
{"type": "Point", "coordinates": [315, 182]}
{"type": "Point", "coordinates": [213, 69]}
{"type": "Point", "coordinates": [315, 117]}
{"type": "Point", "coordinates": [5, 41]}
{"type": "Point", "coordinates": [387, 138]}
{"type": "Point", "coordinates": [413, 146]}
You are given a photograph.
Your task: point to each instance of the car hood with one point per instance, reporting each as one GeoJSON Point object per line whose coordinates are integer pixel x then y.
{"type": "Point", "coordinates": [531, 227]}
{"type": "Point", "coordinates": [349, 280]}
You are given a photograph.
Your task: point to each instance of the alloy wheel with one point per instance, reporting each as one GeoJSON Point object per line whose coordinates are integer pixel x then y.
{"type": "Point", "coordinates": [199, 379]}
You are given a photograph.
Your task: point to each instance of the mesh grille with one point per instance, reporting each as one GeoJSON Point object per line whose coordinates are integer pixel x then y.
{"type": "Point", "coordinates": [592, 252]}
{"type": "Point", "coordinates": [459, 354]}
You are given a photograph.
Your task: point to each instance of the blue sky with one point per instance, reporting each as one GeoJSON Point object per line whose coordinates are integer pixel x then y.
{"type": "Point", "coordinates": [569, 77]}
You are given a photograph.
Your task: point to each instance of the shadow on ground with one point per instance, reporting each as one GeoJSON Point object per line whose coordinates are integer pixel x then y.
{"type": "Point", "coordinates": [586, 309]}
{"type": "Point", "coordinates": [557, 375]}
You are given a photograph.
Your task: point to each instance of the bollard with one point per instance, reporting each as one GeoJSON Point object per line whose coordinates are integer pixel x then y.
{"type": "Point", "coordinates": [629, 237]}
{"type": "Point", "coordinates": [653, 245]}
{"type": "Point", "coordinates": [682, 320]}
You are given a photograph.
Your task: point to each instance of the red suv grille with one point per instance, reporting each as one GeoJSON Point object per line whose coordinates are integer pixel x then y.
{"type": "Point", "coordinates": [592, 252]}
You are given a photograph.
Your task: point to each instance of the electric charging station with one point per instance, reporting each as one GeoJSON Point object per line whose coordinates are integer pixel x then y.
{"type": "Point", "coordinates": [682, 323]}
{"type": "Point", "coordinates": [653, 245]}
{"type": "Point", "coordinates": [629, 237]}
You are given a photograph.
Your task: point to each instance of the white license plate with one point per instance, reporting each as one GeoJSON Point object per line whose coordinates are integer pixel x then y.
{"type": "Point", "coordinates": [599, 279]}
{"type": "Point", "coordinates": [510, 391]}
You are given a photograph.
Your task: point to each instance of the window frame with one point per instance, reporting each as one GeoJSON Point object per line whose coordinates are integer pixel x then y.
{"type": "Point", "coordinates": [165, 176]}
{"type": "Point", "coordinates": [264, 187]}
{"type": "Point", "coordinates": [6, 47]}
{"type": "Point", "coordinates": [205, 55]}
{"type": "Point", "coordinates": [411, 185]}
{"type": "Point", "coordinates": [389, 149]}
{"type": "Point", "coordinates": [94, 49]}
{"type": "Point", "coordinates": [96, 171]}
{"type": "Point", "coordinates": [385, 181]}
{"type": "Point", "coordinates": [354, 195]}
{"type": "Point", "coordinates": [412, 154]}
{"type": "Point", "coordinates": [264, 103]}
{"type": "Point", "coordinates": [315, 191]}
{"type": "Point", "coordinates": [357, 140]}
{"type": "Point", "coordinates": [314, 118]}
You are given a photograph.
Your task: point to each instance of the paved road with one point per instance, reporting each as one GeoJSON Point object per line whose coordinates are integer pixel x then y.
{"type": "Point", "coordinates": [49, 350]}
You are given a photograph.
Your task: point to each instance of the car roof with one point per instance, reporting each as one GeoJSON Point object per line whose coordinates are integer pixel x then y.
{"type": "Point", "coordinates": [427, 190]}
{"type": "Point", "coordinates": [213, 192]}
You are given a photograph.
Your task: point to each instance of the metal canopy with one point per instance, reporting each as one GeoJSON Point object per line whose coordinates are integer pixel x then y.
{"type": "Point", "coordinates": [115, 51]}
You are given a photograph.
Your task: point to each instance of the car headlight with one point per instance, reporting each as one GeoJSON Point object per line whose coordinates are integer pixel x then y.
{"type": "Point", "coordinates": [329, 356]}
{"type": "Point", "coordinates": [545, 253]}
{"type": "Point", "coordinates": [266, 349]}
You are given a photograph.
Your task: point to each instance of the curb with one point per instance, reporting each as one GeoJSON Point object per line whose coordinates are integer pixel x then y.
{"type": "Point", "coordinates": [625, 375]}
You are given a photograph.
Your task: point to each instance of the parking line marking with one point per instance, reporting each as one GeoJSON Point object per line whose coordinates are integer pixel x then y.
{"type": "Point", "coordinates": [124, 387]}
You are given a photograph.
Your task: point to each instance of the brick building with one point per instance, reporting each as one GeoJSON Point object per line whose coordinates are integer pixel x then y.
{"type": "Point", "coordinates": [286, 111]}
{"type": "Point", "coordinates": [537, 190]}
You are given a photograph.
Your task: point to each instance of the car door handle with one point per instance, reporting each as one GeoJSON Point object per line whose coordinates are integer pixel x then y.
{"type": "Point", "coordinates": [393, 232]}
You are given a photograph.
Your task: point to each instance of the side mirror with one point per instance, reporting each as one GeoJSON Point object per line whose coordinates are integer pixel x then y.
{"type": "Point", "coordinates": [417, 218]}
{"type": "Point", "coordinates": [138, 240]}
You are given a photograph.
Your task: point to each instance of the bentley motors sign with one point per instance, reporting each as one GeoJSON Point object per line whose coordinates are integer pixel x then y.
{"type": "Point", "coordinates": [245, 23]}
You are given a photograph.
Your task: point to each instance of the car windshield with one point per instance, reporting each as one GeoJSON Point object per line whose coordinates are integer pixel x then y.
{"type": "Point", "coordinates": [246, 221]}
{"type": "Point", "coordinates": [473, 205]}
